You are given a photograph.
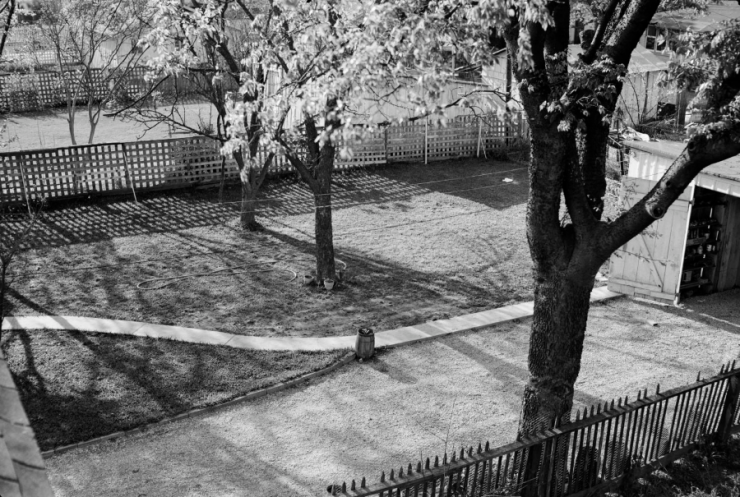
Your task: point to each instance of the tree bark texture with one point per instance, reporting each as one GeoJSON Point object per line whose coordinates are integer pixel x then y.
{"type": "Point", "coordinates": [248, 208]}
{"type": "Point", "coordinates": [555, 348]}
{"type": "Point", "coordinates": [325, 266]}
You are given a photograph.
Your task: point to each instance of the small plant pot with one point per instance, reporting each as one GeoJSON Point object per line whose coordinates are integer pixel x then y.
{"type": "Point", "coordinates": [329, 284]}
{"type": "Point", "coordinates": [307, 279]}
{"type": "Point", "coordinates": [365, 343]}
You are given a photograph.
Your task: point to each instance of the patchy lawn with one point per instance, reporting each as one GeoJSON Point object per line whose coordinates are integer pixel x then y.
{"type": "Point", "coordinates": [49, 129]}
{"type": "Point", "coordinates": [420, 242]}
{"type": "Point", "coordinates": [77, 386]}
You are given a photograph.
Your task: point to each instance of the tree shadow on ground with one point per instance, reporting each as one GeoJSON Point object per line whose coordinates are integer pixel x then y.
{"type": "Point", "coordinates": [76, 386]}
{"type": "Point", "coordinates": [94, 219]}
{"type": "Point", "coordinates": [719, 310]}
{"type": "Point", "coordinates": [475, 179]}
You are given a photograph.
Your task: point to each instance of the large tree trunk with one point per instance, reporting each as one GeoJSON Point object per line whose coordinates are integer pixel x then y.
{"type": "Point", "coordinates": [561, 304]}
{"type": "Point", "coordinates": [249, 208]}
{"type": "Point", "coordinates": [565, 265]}
{"type": "Point", "coordinates": [325, 267]}
{"type": "Point", "coordinates": [250, 188]}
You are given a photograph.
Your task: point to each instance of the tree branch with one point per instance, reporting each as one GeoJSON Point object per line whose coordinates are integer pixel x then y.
{"type": "Point", "coordinates": [628, 32]}
{"type": "Point", "coordinates": [701, 151]}
{"type": "Point", "coordinates": [606, 19]}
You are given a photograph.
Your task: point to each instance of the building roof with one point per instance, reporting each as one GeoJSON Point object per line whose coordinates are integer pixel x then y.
{"type": "Point", "coordinates": [642, 60]}
{"type": "Point", "coordinates": [22, 470]}
{"type": "Point", "coordinates": [728, 169]}
{"type": "Point", "coordinates": [688, 19]}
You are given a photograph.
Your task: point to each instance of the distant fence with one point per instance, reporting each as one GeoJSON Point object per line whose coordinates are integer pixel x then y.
{"type": "Point", "coordinates": [25, 92]}
{"type": "Point", "coordinates": [180, 162]}
{"type": "Point", "coordinates": [591, 455]}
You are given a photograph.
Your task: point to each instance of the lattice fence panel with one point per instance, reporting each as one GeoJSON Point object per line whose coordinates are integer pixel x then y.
{"type": "Point", "coordinates": [406, 143]}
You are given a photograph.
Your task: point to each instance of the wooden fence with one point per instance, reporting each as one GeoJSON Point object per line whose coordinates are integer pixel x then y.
{"type": "Point", "coordinates": [44, 89]}
{"type": "Point", "coordinates": [604, 445]}
{"type": "Point", "coordinates": [181, 162]}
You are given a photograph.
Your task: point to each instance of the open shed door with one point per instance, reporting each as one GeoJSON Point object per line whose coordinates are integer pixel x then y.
{"type": "Point", "coordinates": [650, 264]}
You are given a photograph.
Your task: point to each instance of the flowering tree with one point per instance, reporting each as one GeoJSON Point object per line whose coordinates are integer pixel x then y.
{"type": "Point", "coordinates": [205, 45]}
{"type": "Point", "coordinates": [569, 108]}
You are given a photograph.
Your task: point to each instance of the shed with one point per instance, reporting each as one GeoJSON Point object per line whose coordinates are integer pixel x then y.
{"type": "Point", "coordinates": [695, 247]}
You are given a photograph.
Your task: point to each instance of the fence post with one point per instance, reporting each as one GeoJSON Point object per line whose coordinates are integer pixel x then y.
{"type": "Point", "coordinates": [26, 189]}
{"type": "Point", "coordinates": [129, 173]}
{"type": "Point", "coordinates": [480, 129]}
{"type": "Point", "coordinates": [531, 469]}
{"type": "Point", "coordinates": [385, 142]}
{"type": "Point", "coordinates": [728, 410]}
{"type": "Point", "coordinates": [426, 141]}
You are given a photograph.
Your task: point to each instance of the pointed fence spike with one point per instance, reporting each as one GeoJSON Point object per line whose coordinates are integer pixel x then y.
{"type": "Point", "coordinates": [480, 448]}
{"type": "Point", "coordinates": [462, 452]}
{"type": "Point", "coordinates": [578, 415]}
{"type": "Point", "coordinates": [418, 467]}
{"type": "Point", "coordinates": [698, 376]}
{"type": "Point", "coordinates": [410, 470]}
{"type": "Point", "coordinates": [593, 410]}
{"type": "Point", "coordinates": [612, 407]}
{"type": "Point", "coordinates": [382, 477]}
{"type": "Point", "coordinates": [436, 461]}
{"type": "Point", "coordinates": [470, 450]}
{"type": "Point", "coordinates": [722, 369]}
{"type": "Point", "coordinates": [353, 487]}
{"type": "Point", "coordinates": [626, 399]}
{"type": "Point", "coordinates": [657, 389]}
{"type": "Point", "coordinates": [638, 394]}
{"type": "Point", "coordinates": [400, 472]}
{"type": "Point", "coordinates": [454, 457]}
{"type": "Point", "coordinates": [488, 447]}
{"type": "Point", "coordinates": [391, 475]}
{"type": "Point", "coordinates": [598, 408]}
{"type": "Point", "coordinates": [619, 402]}
{"type": "Point", "coordinates": [426, 466]}
{"type": "Point", "coordinates": [344, 487]}
{"type": "Point", "coordinates": [362, 483]}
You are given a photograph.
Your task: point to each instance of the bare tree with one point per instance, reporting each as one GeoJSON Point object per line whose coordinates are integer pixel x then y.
{"type": "Point", "coordinates": [95, 50]}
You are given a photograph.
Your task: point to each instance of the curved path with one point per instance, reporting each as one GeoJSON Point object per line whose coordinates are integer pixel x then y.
{"type": "Point", "coordinates": [390, 338]}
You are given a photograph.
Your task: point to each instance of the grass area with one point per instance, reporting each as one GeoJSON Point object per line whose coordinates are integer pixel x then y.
{"type": "Point", "coordinates": [704, 473]}
{"type": "Point", "coordinates": [77, 386]}
{"type": "Point", "coordinates": [421, 242]}
{"type": "Point", "coordinates": [49, 129]}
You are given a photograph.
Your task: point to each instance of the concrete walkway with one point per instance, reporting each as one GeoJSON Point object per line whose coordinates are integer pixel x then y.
{"type": "Point", "coordinates": [391, 338]}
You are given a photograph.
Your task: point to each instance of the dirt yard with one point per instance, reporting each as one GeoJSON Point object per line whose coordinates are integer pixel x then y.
{"type": "Point", "coordinates": [407, 404]}
{"type": "Point", "coordinates": [419, 242]}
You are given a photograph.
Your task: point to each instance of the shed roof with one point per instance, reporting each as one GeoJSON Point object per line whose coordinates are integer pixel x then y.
{"type": "Point", "coordinates": [642, 60]}
{"type": "Point", "coordinates": [688, 19]}
{"type": "Point", "coordinates": [22, 471]}
{"type": "Point", "coordinates": [728, 169]}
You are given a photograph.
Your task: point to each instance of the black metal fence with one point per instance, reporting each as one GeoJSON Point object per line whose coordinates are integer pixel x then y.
{"type": "Point", "coordinates": [604, 445]}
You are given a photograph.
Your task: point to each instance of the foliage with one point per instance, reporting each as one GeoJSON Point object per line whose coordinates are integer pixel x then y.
{"type": "Point", "coordinates": [712, 65]}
